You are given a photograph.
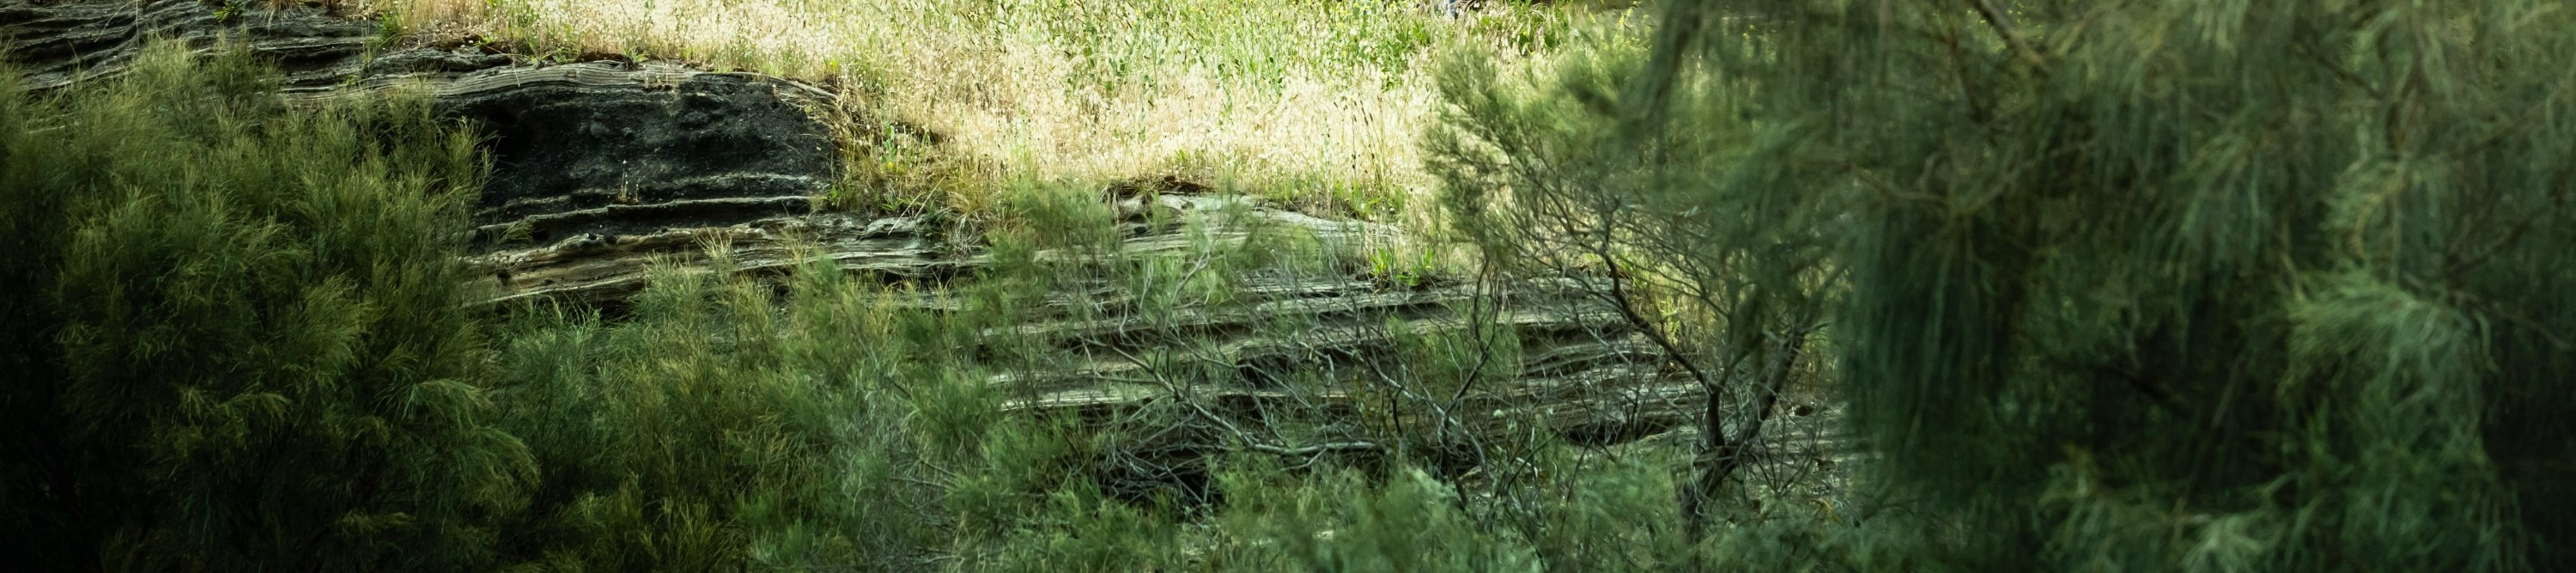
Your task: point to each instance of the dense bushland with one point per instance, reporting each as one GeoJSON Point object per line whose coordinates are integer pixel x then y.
{"type": "Point", "coordinates": [236, 337]}
{"type": "Point", "coordinates": [2113, 285]}
{"type": "Point", "coordinates": [2132, 285]}
{"type": "Point", "coordinates": [242, 340]}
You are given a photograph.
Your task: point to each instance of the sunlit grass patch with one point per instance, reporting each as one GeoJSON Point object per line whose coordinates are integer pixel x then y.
{"type": "Point", "coordinates": [1319, 102]}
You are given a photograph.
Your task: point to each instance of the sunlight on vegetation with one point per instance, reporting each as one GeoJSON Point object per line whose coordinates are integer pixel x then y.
{"type": "Point", "coordinates": [2187, 285]}
{"type": "Point", "coordinates": [1319, 103]}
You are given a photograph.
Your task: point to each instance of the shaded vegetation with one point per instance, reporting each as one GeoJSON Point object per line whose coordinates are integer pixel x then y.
{"type": "Point", "coordinates": [236, 337]}
{"type": "Point", "coordinates": [2131, 285]}
{"type": "Point", "coordinates": [2209, 285]}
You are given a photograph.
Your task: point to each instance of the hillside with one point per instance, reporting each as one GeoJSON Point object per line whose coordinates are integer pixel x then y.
{"type": "Point", "coordinates": [1363, 285]}
{"type": "Point", "coordinates": [1186, 315]}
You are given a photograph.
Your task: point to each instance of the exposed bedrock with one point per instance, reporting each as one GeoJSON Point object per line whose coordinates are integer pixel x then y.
{"type": "Point", "coordinates": [60, 42]}
{"type": "Point", "coordinates": [570, 157]}
{"type": "Point", "coordinates": [594, 148]}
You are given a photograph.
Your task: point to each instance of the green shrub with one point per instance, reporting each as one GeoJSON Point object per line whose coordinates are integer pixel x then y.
{"type": "Point", "coordinates": [237, 338]}
{"type": "Point", "coordinates": [2130, 285]}
{"type": "Point", "coordinates": [708, 430]}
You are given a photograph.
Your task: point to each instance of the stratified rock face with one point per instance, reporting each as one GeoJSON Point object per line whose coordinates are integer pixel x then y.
{"type": "Point", "coordinates": [60, 42]}
{"type": "Point", "coordinates": [571, 158]}
{"type": "Point", "coordinates": [581, 152]}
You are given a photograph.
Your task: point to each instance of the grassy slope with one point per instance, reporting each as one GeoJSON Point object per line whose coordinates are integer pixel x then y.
{"type": "Point", "coordinates": [1319, 103]}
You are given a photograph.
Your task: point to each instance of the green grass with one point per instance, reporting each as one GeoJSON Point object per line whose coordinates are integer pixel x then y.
{"type": "Point", "coordinates": [239, 337]}
{"type": "Point", "coordinates": [1315, 103]}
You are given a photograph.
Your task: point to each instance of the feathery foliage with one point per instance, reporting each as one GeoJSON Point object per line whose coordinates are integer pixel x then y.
{"type": "Point", "coordinates": [236, 331]}
{"type": "Point", "coordinates": [709, 431]}
{"type": "Point", "coordinates": [2210, 284]}
{"type": "Point", "coordinates": [1730, 285]}
{"type": "Point", "coordinates": [2131, 285]}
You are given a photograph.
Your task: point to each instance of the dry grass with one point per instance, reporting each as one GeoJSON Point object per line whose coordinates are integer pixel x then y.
{"type": "Point", "coordinates": [1318, 102]}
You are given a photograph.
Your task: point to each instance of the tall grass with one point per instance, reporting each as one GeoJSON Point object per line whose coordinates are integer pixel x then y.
{"type": "Point", "coordinates": [1320, 102]}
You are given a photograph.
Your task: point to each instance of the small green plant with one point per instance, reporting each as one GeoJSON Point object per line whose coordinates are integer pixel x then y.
{"type": "Point", "coordinates": [518, 232]}
{"type": "Point", "coordinates": [389, 32]}
{"type": "Point", "coordinates": [1392, 266]}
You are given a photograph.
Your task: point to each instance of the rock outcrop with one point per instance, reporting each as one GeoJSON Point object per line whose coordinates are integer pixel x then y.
{"type": "Point", "coordinates": [618, 154]}
{"type": "Point", "coordinates": [604, 148]}
{"type": "Point", "coordinates": [58, 43]}
{"type": "Point", "coordinates": [604, 169]}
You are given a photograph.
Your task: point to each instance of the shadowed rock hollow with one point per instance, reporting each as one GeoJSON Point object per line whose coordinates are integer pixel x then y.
{"type": "Point", "coordinates": [618, 159]}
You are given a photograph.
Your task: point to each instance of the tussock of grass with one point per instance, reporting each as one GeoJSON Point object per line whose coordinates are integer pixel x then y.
{"type": "Point", "coordinates": [1318, 103]}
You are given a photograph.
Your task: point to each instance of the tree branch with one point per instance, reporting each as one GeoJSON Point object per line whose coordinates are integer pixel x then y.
{"type": "Point", "coordinates": [1725, 454]}
{"type": "Point", "coordinates": [2002, 22]}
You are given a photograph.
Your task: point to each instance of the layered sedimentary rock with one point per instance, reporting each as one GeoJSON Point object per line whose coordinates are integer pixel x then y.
{"type": "Point", "coordinates": [60, 42]}
{"type": "Point", "coordinates": [579, 150]}
{"type": "Point", "coordinates": [604, 169]}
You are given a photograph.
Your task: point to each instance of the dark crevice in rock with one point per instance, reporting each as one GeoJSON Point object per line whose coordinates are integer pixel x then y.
{"type": "Point", "coordinates": [563, 147]}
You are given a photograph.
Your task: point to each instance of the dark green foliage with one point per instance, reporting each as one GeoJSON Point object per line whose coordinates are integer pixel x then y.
{"type": "Point", "coordinates": [1411, 523]}
{"type": "Point", "coordinates": [2127, 285]}
{"type": "Point", "coordinates": [708, 431]}
{"type": "Point", "coordinates": [2132, 285]}
{"type": "Point", "coordinates": [236, 336]}
{"type": "Point", "coordinates": [241, 345]}
{"type": "Point", "coordinates": [1731, 286]}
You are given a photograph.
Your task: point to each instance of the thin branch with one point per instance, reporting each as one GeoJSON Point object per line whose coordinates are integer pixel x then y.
{"type": "Point", "coordinates": [1620, 298]}
{"type": "Point", "coordinates": [1319, 448]}
{"type": "Point", "coordinates": [2002, 22]}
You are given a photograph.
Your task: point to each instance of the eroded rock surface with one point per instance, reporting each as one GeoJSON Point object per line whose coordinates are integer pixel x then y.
{"type": "Point", "coordinates": [626, 158]}
{"type": "Point", "coordinates": [61, 42]}
{"type": "Point", "coordinates": [595, 148]}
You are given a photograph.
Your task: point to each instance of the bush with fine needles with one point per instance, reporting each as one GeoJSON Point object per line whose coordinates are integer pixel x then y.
{"type": "Point", "coordinates": [235, 335]}
{"type": "Point", "coordinates": [2210, 285]}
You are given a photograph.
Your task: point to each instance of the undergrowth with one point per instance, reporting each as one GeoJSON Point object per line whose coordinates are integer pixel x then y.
{"type": "Point", "coordinates": [240, 336]}
{"type": "Point", "coordinates": [241, 340]}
